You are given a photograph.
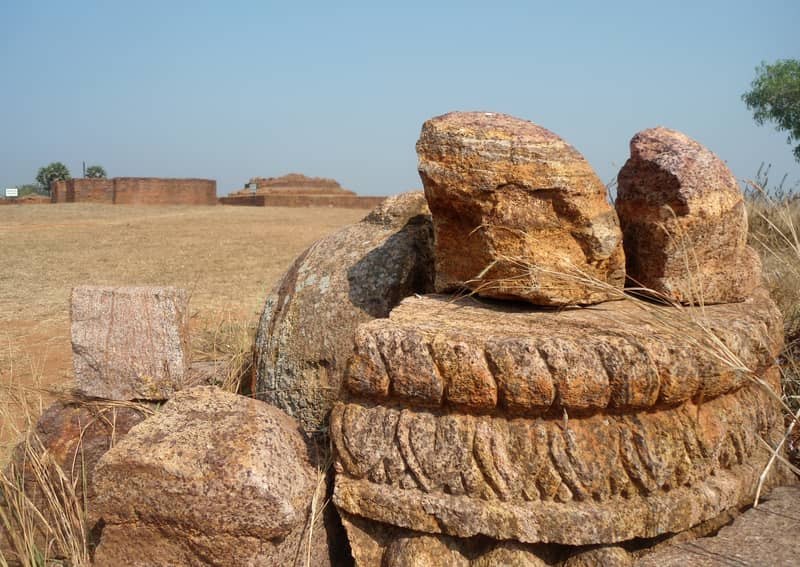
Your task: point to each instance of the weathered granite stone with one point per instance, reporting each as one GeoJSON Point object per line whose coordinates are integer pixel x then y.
{"type": "Point", "coordinates": [684, 221]}
{"type": "Point", "coordinates": [573, 480]}
{"type": "Point", "coordinates": [129, 343]}
{"type": "Point", "coordinates": [435, 351]}
{"type": "Point", "coordinates": [212, 479]}
{"type": "Point", "coordinates": [509, 554]}
{"type": "Point", "coordinates": [580, 427]}
{"type": "Point", "coordinates": [361, 272]}
{"type": "Point", "coordinates": [374, 543]}
{"type": "Point", "coordinates": [765, 535]}
{"type": "Point", "coordinates": [423, 550]}
{"type": "Point", "coordinates": [610, 556]}
{"type": "Point", "coordinates": [517, 212]}
{"type": "Point", "coordinates": [76, 434]}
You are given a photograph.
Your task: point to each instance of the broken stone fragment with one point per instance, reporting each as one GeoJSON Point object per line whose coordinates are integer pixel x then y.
{"type": "Point", "coordinates": [129, 343]}
{"type": "Point", "coordinates": [684, 221]}
{"type": "Point", "coordinates": [517, 212]}
{"type": "Point", "coordinates": [212, 478]}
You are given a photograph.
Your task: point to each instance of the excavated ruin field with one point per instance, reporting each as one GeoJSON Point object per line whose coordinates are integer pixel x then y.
{"type": "Point", "coordinates": [228, 257]}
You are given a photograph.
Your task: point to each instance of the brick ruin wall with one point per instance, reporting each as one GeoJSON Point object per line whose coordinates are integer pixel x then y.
{"type": "Point", "coordinates": [82, 191]}
{"type": "Point", "coordinates": [346, 202]}
{"type": "Point", "coordinates": [135, 191]}
{"type": "Point", "coordinates": [157, 191]}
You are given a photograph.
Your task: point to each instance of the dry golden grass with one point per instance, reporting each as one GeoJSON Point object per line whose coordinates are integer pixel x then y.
{"type": "Point", "coordinates": [228, 257]}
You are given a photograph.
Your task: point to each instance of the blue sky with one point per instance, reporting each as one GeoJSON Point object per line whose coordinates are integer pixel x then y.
{"type": "Point", "coordinates": [230, 90]}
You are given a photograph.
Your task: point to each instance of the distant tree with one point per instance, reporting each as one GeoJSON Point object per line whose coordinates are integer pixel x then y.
{"type": "Point", "coordinates": [774, 96]}
{"type": "Point", "coordinates": [30, 189]}
{"type": "Point", "coordinates": [96, 172]}
{"type": "Point", "coordinates": [52, 172]}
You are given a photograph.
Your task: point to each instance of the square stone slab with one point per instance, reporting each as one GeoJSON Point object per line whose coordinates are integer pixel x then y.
{"type": "Point", "coordinates": [129, 343]}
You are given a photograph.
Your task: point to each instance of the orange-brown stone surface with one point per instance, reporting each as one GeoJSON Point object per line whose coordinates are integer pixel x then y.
{"type": "Point", "coordinates": [684, 221]}
{"type": "Point", "coordinates": [212, 479]}
{"type": "Point", "coordinates": [517, 212]}
{"type": "Point", "coordinates": [584, 426]}
{"type": "Point", "coordinates": [437, 351]}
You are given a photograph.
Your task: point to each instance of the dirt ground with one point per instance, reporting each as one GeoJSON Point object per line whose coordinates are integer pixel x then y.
{"type": "Point", "coordinates": [228, 257]}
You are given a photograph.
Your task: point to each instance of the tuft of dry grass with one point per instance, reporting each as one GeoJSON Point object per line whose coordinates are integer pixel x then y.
{"type": "Point", "coordinates": [43, 507]}
{"type": "Point", "coordinates": [227, 344]}
{"type": "Point", "coordinates": [42, 515]}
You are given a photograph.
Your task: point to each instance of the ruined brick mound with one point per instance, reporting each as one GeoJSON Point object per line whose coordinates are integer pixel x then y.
{"type": "Point", "coordinates": [517, 212]}
{"type": "Point", "coordinates": [297, 190]}
{"type": "Point", "coordinates": [269, 200]}
{"type": "Point", "coordinates": [298, 183]}
{"type": "Point", "coordinates": [135, 191]}
{"type": "Point", "coordinates": [578, 427]}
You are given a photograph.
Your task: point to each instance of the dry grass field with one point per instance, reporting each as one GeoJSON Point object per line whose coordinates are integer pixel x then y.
{"type": "Point", "coordinates": [229, 257]}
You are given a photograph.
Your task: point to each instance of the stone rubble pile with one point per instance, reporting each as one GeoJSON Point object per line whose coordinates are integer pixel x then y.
{"type": "Point", "coordinates": [470, 423]}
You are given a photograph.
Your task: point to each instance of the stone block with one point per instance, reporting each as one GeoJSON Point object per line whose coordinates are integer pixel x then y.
{"type": "Point", "coordinates": [129, 343]}
{"type": "Point", "coordinates": [517, 212]}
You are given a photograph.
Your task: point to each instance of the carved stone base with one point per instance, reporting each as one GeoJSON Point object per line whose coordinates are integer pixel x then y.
{"type": "Point", "coordinates": [602, 478]}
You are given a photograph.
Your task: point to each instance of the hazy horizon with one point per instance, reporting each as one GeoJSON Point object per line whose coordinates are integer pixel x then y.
{"type": "Point", "coordinates": [235, 90]}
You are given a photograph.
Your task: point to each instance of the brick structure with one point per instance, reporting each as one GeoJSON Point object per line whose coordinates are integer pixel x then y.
{"type": "Point", "coordinates": [346, 202]}
{"type": "Point", "coordinates": [297, 190]}
{"type": "Point", "coordinates": [135, 191]}
{"type": "Point", "coordinates": [82, 191]}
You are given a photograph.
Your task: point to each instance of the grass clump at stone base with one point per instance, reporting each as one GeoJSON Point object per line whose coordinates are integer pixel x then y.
{"type": "Point", "coordinates": [774, 218]}
{"type": "Point", "coordinates": [44, 516]}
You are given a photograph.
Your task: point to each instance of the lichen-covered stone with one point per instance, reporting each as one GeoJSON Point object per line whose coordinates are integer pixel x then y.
{"type": "Point", "coordinates": [508, 554]}
{"type": "Point", "coordinates": [67, 442]}
{"type": "Point", "coordinates": [517, 212]}
{"type": "Point", "coordinates": [423, 550]}
{"type": "Point", "coordinates": [375, 544]}
{"type": "Point", "coordinates": [361, 272]}
{"type": "Point", "coordinates": [129, 343]}
{"type": "Point", "coordinates": [684, 221]}
{"type": "Point", "coordinates": [213, 478]}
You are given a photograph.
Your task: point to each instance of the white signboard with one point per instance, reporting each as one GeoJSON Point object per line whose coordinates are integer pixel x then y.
{"type": "Point", "coordinates": [253, 187]}
{"type": "Point", "coordinates": [12, 192]}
